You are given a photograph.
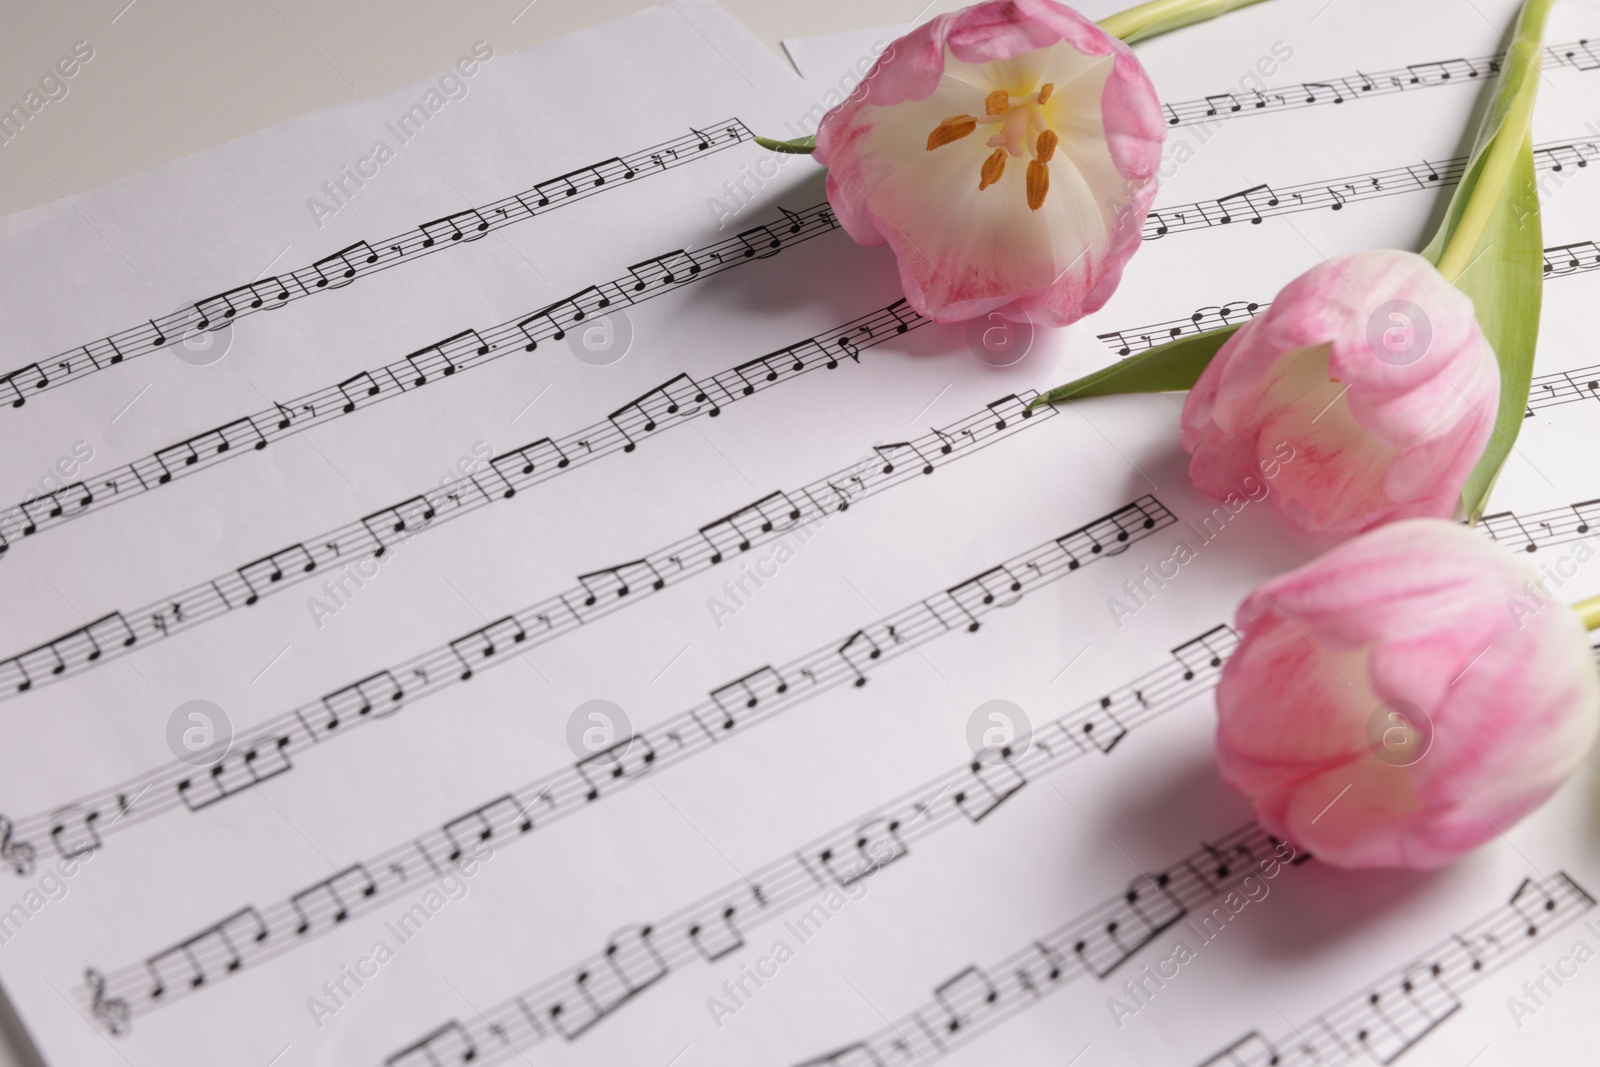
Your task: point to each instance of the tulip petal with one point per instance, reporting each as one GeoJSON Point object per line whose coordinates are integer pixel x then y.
{"type": "Point", "coordinates": [1423, 627]}
{"type": "Point", "coordinates": [1387, 426]}
{"type": "Point", "coordinates": [963, 253]}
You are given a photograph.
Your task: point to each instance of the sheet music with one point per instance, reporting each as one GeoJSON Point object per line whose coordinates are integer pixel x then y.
{"type": "Point", "coordinates": [623, 632]}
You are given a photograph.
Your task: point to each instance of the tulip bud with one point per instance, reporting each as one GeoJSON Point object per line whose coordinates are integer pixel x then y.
{"type": "Point", "coordinates": [1373, 368]}
{"type": "Point", "coordinates": [1389, 706]}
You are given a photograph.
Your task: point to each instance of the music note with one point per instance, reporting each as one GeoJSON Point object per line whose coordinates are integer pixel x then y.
{"type": "Point", "coordinates": [330, 898]}
{"type": "Point", "coordinates": [1102, 727]}
{"type": "Point", "coordinates": [348, 259]}
{"type": "Point", "coordinates": [1249, 196]}
{"type": "Point", "coordinates": [525, 460]}
{"type": "Point", "coordinates": [663, 270]}
{"type": "Point", "coordinates": [564, 185]}
{"type": "Point", "coordinates": [1529, 899]}
{"type": "Point", "coordinates": [576, 308]}
{"type": "Point", "coordinates": [1586, 522]}
{"type": "Point", "coordinates": [864, 851]}
{"type": "Point", "coordinates": [665, 400]}
{"type": "Point", "coordinates": [485, 641]}
{"type": "Point", "coordinates": [853, 646]}
{"type": "Point", "coordinates": [1311, 92]}
{"type": "Point", "coordinates": [632, 965]}
{"type": "Point", "coordinates": [735, 529]}
{"type": "Point", "coordinates": [618, 581]}
{"type": "Point", "coordinates": [18, 380]}
{"type": "Point", "coordinates": [463, 225]}
{"type": "Point", "coordinates": [447, 1045]}
{"type": "Point", "coordinates": [217, 309]}
{"type": "Point", "coordinates": [748, 691]}
{"type": "Point", "coordinates": [1008, 407]}
{"type": "Point", "coordinates": [756, 238]}
{"type": "Point", "coordinates": [628, 758]}
{"type": "Point", "coordinates": [889, 451]}
{"type": "Point", "coordinates": [1206, 652]}
{"type": "Point", "coordinates": [380, 692]}
{"type": "Point", "coordinates": [1506, 528]}
{"type": "Point", "coordinates": [996, 779]}
{"type": "Point", "coordinates": [983, 591]}
{"type": "Point", "coordinates": [966, 998]}
{"type": "Point", "coordinates": [425, 358]}
{"type": "Point", "coordinates": [716, 936]}
{"type": "Point", "coordinates": [357, 380]}
{"type": "Point", "coordinates": [269, 569]}
{"type": "Point", "coordinates": [72, 832]}
{"type": "Point", "coordinates": [484, 822]}
{"type": "Point", "coordinates": [405, 518]}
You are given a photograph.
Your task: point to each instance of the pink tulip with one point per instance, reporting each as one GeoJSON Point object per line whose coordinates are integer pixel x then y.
{"type": "Point", "coordinates": [1007, 153]}
{"type": "Point", "coordinates": [1372, 367]}
{"type": "Point", "coordinates": [1405, 697]}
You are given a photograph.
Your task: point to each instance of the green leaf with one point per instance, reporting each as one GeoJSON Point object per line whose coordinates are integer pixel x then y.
{"type": "Point", "coordinates": [800, 146]}
{"type": "Point", "coordinates": [1490, 243]}
{"type": "Point", "coordinates": [1169, 368]}
{"type": "Point", "coordinates": [1506, 284]}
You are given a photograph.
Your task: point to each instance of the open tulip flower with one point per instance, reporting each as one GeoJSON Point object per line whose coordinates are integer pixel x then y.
{"type": "Point", "coordinates": [1007, 153]}
{"type": "Point", "coordinates": [1374, 369]}
{"type": "Point", "coordinates": [1404, 698]}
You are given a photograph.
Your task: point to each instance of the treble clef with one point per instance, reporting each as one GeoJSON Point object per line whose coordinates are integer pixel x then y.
{"type": "Point", "coordinates": [112, 1012]}
{"type": "Point", "coordinates": [17, 853]}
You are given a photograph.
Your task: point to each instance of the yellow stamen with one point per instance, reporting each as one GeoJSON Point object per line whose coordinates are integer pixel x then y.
{"type": "Point", "coordinates": [1038, 184]}
{"type": "Point", "coordinates": [1045, 147]}
{"type": "Point", "coordinates": [997, 103]}
{"type": "Point", "coordinates": [1045, 90]}
{"type": "Point", "coordinates": [951, 129]}
{"type": "Point", "coordinates": [993, 167]}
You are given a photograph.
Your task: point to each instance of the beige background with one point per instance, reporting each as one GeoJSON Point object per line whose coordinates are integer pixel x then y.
{"type": "Point", "coordinates": [174, 77]}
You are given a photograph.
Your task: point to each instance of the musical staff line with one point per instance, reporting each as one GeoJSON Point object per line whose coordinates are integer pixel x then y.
{"type": "Point", "coordinates": [588, 992]}
{"type": "Point", "coordinates": [451, 357]}
{"type": "Point", "coordinates": [678, 400]}
{"type": "Point", "coordinates": [1384, 1021]}
{"type": "Point", "coordinates": [1261, 202]}
{"type": "Point", "coordinates": [268, 751]}
{"type": "Point", "coordinates": [1579, 55]}
{"type": "Point", "coordinates": [1093, 944]}
{"type": "Point", "coordinates": [1559, 261]}
{"type": "Point", "coordinates": [363, 258]}
{"type": "Point", "coordinates": [209, 956]}
{"type": "Point", "coordinates": [1543, 529]}
{"type": "Point", "coordinates": [577, 998]}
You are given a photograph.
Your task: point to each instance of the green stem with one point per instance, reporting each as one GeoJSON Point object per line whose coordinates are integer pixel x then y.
{"type": "Point", "coordinates": [1500, 161]}
{"type": "Point", "coordinates": [1162, 16]}
{"type": "Point", "coordinates": [1589, 612]}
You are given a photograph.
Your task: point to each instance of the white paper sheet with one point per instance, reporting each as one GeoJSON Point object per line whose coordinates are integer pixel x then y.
{"type": "Point", "coordinates": [757, 766]}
